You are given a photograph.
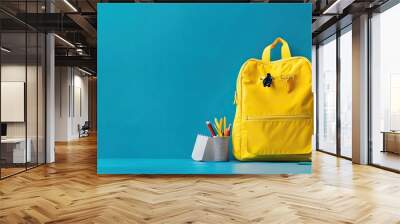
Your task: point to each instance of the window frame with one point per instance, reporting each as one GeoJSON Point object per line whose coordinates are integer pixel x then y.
{"type": "Point", "coordinates": [334, 37]}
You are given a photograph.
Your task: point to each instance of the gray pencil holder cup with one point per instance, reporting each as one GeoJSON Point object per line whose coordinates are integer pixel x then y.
{"type": "Point", "coordinates": [214, 149]}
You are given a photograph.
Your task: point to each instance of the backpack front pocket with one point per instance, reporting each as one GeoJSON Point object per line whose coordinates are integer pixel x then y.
{"type": "Point", "coordinates": [278, 135]}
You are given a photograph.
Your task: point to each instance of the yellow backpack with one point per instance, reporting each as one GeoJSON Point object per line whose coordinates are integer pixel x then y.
{"type": "Point", "coordinates": [274, 108]}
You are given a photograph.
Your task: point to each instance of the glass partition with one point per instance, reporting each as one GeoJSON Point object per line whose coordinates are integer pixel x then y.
{"type": "Point", "coordinates": [22, 77]}
{"type": "Point", "coordinates": [346, 93]}
{"type": "Point", "coordinates": [385, 89]}
{"type": "Point", "coordinates": [41, 91]}
{"type": "Point", "coordinates": [15, 153]}
{"type": "Point", "coordinates": [31, 100]}
{"type": "Point", "coordinates": [327, 95]}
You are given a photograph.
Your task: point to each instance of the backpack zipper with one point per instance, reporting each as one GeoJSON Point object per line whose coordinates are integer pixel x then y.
{"type": "Point", "coordinates": [278, 117]}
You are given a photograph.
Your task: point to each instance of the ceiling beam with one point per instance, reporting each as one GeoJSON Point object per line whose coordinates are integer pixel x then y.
{"type": "Point", "coordinates": [84, 24]}
{"type": "Point", "coordinates": [49, 22]}
{"type": "Point", "coordinates": [81, 61]}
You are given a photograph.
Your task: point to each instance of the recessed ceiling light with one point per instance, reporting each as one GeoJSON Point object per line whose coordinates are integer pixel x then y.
{"type": "Point", "coordinates": [338, 6]}
{"type": "Point", "coordinates": [84, 71]}
{"type": "Point", "coordinates": [5, 50]}
{"type": "Point", "coordinates": [70, 5]}
{"type": "Point", "coordinates": [64, 40]}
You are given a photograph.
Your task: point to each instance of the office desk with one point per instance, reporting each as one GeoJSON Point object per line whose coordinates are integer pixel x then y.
{"type": "Point", "coordinates": [13, 150]}
{"type": "Point", "coordinates": [391, 141]}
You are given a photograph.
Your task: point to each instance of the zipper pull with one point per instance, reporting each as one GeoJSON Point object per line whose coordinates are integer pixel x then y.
{"type": "Point", "coordinates": [289, 82]}
{"type": "Point", "coordinates": [290, 85]}
{"type": "Point", "coordinates": [267, 81]}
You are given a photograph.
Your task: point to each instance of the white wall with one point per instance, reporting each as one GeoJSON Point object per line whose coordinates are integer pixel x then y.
{"type": "Point", "coordinates": [16, 72]}
{"type": "Point", "coordinates": [71, 102]}
{"type": "Point", "coordinates": [62, 82]}
{"type": "Point", "coordinates": [80, 105]}
{"type": "Point", "coordinates": [33, 127]}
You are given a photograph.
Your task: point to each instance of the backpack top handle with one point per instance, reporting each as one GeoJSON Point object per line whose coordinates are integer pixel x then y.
{"type": "Point", "coordinates": [285, 50]}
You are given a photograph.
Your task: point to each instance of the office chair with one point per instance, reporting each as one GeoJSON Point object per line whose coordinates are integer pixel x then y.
{"type": "Point", "coordinates": [84, 130]}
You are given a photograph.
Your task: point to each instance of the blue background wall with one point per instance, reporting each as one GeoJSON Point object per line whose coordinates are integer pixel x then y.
{"type": "Point", "coordinates": [164, 69]}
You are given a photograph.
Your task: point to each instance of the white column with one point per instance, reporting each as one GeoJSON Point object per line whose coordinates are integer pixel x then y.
{"type": "Point", "coordinates": [360, 90]}
{"type": "Point", "coordinates": [50, 92]}
{"type": "Point", "coordinates": [50, 99]}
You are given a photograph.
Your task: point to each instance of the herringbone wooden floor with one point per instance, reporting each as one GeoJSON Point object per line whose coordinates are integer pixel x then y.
{"type": "Point", "coordinates": [69, 191]}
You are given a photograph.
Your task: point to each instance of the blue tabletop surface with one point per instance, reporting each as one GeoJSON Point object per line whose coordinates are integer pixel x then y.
{"type": "Point", "coordinates": [188, 166]}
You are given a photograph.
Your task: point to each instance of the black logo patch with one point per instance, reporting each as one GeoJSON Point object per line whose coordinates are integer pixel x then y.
{"type": "Point", "coordinates": [267, 81]}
